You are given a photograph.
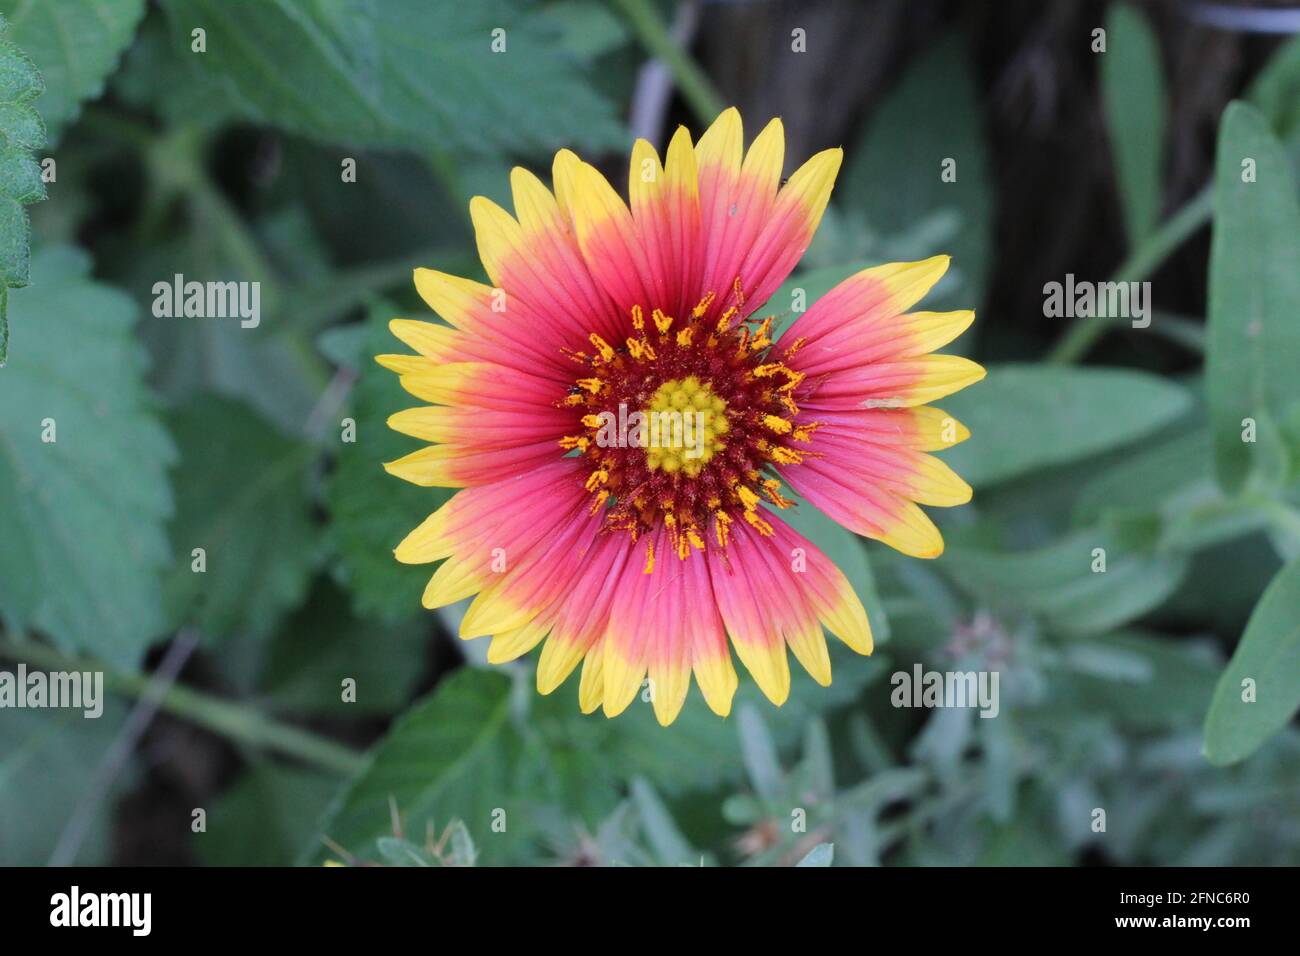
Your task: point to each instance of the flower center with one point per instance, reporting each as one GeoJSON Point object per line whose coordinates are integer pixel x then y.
{"type": "Point", "coordinates": [684, 426]}
{"type": "Point", "coordinates": [681, 424]}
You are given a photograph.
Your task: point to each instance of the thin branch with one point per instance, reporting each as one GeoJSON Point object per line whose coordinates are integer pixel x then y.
{"type": "Point", "coordinates": [696, 87]}
{"type": "Point", "coordinates": [115, 758]}
{"type": "Point", "coordinates": [238, 722]}
{"type": "Point", "coordinates": [1144, 260]}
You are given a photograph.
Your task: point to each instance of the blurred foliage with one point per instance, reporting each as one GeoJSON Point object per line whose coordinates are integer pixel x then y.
{"type": "Point", "coordinates": [262, 447]}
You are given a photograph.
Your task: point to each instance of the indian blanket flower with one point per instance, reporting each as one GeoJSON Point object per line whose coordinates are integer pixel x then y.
{"type": "Point", "coordinates": [636, 557]}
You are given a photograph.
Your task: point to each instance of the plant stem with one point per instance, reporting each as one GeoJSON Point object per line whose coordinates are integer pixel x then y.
{"type": "Point", "coordinates": [695, 85]}
{"type": "Point", "coordinates": [238, 722]}
{"type": "Point", "coordinates": [1142, 261]}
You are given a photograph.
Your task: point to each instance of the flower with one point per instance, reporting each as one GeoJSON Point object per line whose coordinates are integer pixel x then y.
{"type": "Point", "coordinates": [634, 549]}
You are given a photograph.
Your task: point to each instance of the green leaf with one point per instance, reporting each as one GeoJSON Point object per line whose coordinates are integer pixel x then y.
{"type": "Point", "coordinates": [1159, 477]}
{"type": "Point", "coordinates": [21, 131]}
{"type": "Point", "coordinates": [1275, 90]}
{"type": "Point", "coordinates": [1254, 291]}
{"type": "Point", "coordinates": [451, 756]}
{"type": "Point", "coordinates": [1269, 656]}
{"type": "Point", "coordinates": [1134, 95]}
{"type": "Point", "coordinates": [397, 74]}
{"type": "Point", "coordinates": [1154, 682]}
{"type": "Point", "coordinates": [1059, 582]}
{"type": "Point", "coordinates": [934, 115]}
{"type": "Point", "coordinates": [758, 750]}
{"type": "Point", "coordinates": [323, 644]}
{"type": "Point", "coordinates": [823, 854]}
{"type": "Point", "coordinates": [370, 511]}
{"type": "Point", "coordinates": [588, 28]}
{"type": "Point", "coordinates": [48, 761]}
{"type": "Point", "coordinates": [241, 496]}
{"type": "Point", "coordinates": [1172, 479]}
{"type": "Point", "coordinates": [1024, 417]}
{"type": "Point", "coordinates": [265, 818]}
{"type": "Point", "coordinates": [1224, 582]}
{"type": "Point", "coordinates": [75, 44]}
{"type": "Point", "coordinates": [670, 847]}
{"type": "Point", "coordinates": [83, 514]}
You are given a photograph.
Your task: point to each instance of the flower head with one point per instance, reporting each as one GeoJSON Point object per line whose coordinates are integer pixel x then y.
{"type": "Point", "coordinates": [621, 419]}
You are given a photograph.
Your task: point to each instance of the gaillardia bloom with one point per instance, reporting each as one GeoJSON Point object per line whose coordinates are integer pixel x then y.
{"type": "Point", "coordinates": [620, 422]}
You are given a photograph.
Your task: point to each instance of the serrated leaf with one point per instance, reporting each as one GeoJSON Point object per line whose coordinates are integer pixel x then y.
{"type": "Point", "coordinates": [933, 116]}
{"type": "Point", "coordinates": [1269, 656]}
{"type": "Point", "coordinates": [370, 512]}
{"type": "Point", "coordinates": [1254, 289]}
{"type": "Point", "coordinates": [588, 28]}
{"type": "Point", "coordinates": [21, 131]}
{"type": "Point", "coordinates": [1134, 94]}
{"type": "Point", "coordinates": [241, 496]}
{"type": "Point", "coordinates": [451, 756]}
{"type": "Point", "coordinates": [75, 44]}
{"type": "Point", "coordinates": [83, 514]}
{"type": "Point", "coordinates": [1025, 417]}
{"type": "Point", "coordinates": [397, 74]}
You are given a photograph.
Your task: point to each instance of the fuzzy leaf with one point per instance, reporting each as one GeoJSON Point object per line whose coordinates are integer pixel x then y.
{"type": "Point", "coordinates": [1254, 285]}
{"type": "Point", "coordinates": [1269, 656]}
{"type": "Point", "coordinates": [83, 514]}
{"type": "Point", "coordinates": [75, 44]}
{"type": "Point", "coordinates": [1134, 94]}
{"type": "Point", "coordinates": [21, 131]}
{"type": "Point", "coordinates": [1025, 417]}
{"type": "Point", "coordinates": [401, 74]}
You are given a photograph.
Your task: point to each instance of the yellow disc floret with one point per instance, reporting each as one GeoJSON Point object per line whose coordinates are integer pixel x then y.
{"type": "Point", "coordinates": [685, 422]}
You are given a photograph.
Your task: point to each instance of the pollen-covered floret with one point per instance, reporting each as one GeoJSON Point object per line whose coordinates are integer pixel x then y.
{"type": "Point", "coordinates": [685, 422]}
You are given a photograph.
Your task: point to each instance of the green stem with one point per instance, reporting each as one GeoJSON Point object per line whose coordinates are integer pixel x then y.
{"type": "Point", "coordinates": [239, 723]}
{"type": "Point", "coordinates": [1142, 261]}
{"type": "Point", "coordinates": [694, 83]}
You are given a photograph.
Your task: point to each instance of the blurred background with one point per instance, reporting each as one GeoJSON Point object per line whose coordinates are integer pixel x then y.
{"type": "Point", "coordinates": [323, 150]}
